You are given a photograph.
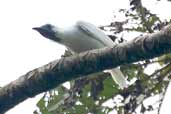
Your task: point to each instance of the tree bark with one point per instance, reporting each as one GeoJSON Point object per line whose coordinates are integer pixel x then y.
{"type": "Point", "coordinates": [56, 72]}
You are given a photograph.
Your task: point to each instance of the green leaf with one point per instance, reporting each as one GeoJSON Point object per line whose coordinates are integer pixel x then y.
{"type": "Point", "coordinates": [110, 88]}
{"type": "Point", "coordinates": [42, 108]}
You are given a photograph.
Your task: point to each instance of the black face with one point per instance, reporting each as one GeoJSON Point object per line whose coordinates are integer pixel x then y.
{"type": "Point", "coordinates": [47, 31]}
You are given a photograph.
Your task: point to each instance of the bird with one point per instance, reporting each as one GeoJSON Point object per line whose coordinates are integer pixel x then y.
{"type": "Point", "coordinates": [80, 37]}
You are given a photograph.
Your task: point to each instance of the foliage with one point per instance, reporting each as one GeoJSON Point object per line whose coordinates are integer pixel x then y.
{"type": "Point", "coordinates": [89, 94]}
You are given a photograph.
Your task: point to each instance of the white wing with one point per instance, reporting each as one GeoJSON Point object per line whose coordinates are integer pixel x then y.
{"type": "Point", "coordinates": [95, 33]}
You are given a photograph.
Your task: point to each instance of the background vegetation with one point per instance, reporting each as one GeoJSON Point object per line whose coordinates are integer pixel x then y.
{"type": "Point", "coordinates": [89, 95]}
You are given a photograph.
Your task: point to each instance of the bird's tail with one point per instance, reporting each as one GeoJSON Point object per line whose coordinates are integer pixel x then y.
{"type": "Point", "coordinates": [118, 77]}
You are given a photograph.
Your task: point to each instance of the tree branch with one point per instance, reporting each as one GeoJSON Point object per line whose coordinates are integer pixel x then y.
{"type": "Point", "coordinates": [51, 75]}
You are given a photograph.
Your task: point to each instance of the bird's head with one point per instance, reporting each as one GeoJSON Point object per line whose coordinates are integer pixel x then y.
{"type": "Point", "coordinates": [48, 31]}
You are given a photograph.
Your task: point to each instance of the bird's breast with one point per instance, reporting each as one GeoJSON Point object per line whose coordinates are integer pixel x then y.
{"type": "Point", "coordinates": [79, 41]}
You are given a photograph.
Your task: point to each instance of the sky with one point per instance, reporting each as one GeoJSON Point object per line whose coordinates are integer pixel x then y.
{"type": "Point", "coordinates": [23, 49]}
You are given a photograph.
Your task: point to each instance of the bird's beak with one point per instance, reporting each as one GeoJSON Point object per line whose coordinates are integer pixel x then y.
{"type": "Point", "coordinates": [49, 34]}
{"type": "Point", "coordinates": [36, 28]}
{"type": "Point", "coordinates": [43, 31]}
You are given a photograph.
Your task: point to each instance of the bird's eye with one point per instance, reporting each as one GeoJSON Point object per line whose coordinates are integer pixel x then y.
{"type": "Point", "coordinates": [48, 26]}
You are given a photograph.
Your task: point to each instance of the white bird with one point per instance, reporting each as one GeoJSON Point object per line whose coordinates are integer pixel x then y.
{"type": "Point", "coordinates": [81, 37]}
